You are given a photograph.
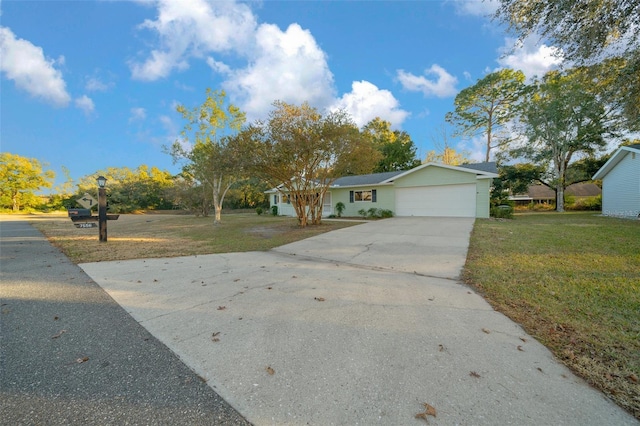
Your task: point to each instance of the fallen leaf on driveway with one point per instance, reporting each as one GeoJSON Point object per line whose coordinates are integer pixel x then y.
{"type": "Point", "coordinates": [520, 348]}
{"type": "Point", "coordinates": [83, 359]}
{"type": "Point", "coordinates": [429, 410]}
{"type": "Point", "coordinates": [319, 299]}
{"type": "Point", "coordinates": [271, 371]}
{"type": "Point", "coordinates": [59, 334]}
{"type": "Point", "coordinates": [486, 331]}
{"type": "Point", "coordinates": [474, 374]}
{"type": "Point", "coordinates": [222, 308]}
{"type": "Point", "coordinates": [214, 337]}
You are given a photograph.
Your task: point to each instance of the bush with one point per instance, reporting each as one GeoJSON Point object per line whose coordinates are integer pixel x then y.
{"type": "Point", "coordinates": [363, 213]}
{"type": "Point", "coordinates": [340, 208]}
{"type": "Point", "coordinates": [259, 210]}
{"type": "Point", "coordinates": [503, 211]}
{"type": "Point", "coordinates": [373, 213]}
{"type": "Point", "coordinates": [385, 213]}
{"type": "Point", "coordinates": [274, 210]}
{"type": "Point", "coordinates": [588, 204]}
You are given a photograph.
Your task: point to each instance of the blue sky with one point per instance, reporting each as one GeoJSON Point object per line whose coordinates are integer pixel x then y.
{"type": "Point", "coordinates": [94, 84]}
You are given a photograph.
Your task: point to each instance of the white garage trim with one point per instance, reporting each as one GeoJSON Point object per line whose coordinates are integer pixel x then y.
{"type": "Point", "coordinates": [440, 200]}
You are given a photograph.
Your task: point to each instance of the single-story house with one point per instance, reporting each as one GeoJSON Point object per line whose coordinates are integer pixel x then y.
{"type": "Point", "coordinates": [430, 189]}
{"type": "Point", "coordinates": [621, 182]}
{"type": "Point", "coordinates": [541, 194]}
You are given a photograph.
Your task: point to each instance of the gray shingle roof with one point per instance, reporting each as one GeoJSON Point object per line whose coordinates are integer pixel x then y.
{"type": "Point", "coordinates": [369, 179]}
{"type": "Point", "coordinates": [490, 167]}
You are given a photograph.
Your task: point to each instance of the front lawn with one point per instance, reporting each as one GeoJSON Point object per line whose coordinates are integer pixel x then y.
{"type": "Point", "coordinates": [573, 281]}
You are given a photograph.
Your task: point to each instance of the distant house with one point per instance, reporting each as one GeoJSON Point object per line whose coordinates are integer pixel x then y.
{"type": "Point", "coordinates": [430, 189]}
{"type": "Point", "coordinates": [541, 194]}
{"type": "Point", "coordinates": [621, 183]}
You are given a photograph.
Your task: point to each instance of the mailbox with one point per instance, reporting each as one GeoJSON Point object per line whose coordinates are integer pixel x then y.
{"type": "Point", "coordinates": [79, 213]}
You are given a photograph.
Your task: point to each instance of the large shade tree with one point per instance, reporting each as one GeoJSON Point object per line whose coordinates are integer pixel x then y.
{"type": "Point", "coordinates": [304, 151]}
{"type": "Point", "coordinates": [20, 178]}
{"type": "Point", "coordinates": [204, 146]}
{"type": "Point", "coordinates": [561, 119]}
{"type": "Point", "coordinates": [603, 32]}
{"type": "Point", "coordinates": [486, 108]}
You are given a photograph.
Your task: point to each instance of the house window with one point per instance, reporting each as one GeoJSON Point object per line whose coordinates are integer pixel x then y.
{"type": "Point", "coordinates": [367, 195]}
{"type": "Point", "coordinates": [276, 199]}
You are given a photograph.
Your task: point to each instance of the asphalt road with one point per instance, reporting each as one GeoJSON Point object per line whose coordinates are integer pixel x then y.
{"type": "Point", "coordinates": [69, 354]}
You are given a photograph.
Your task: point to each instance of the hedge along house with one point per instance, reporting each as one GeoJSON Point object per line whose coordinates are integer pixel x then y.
{"type": "Point", "coordinates": [430, 189]}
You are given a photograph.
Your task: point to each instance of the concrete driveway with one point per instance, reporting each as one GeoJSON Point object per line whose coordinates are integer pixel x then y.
{"type": "Point", "coordinates": [363, 325]}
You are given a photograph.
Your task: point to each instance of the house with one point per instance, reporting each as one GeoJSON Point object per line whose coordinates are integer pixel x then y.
{"type": "Point", "coordinates": [430, 189]}
{"type": "Point", "coordinates": [621, 182]}
{"type": "Point", "coordinates": [541, 194]}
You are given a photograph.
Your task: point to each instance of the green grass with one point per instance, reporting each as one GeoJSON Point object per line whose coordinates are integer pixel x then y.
{"type": "Point", "coordinates": [573, 281]}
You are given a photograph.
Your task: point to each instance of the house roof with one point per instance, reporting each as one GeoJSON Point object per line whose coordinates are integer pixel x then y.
{"type": "Point", "coordinates": [542, 192]}
{"type": "Point", "coordinates": [615, 159]}
{"type": "Point", "coordinates": [490, 167]}
{"type": "Point", "coordinates": [466, 168]}
{"type": "Point", "coordinates": [370, 179]}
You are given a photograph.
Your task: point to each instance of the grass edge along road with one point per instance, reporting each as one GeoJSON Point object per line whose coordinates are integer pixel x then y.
{"type": "Point", "coordinates": [138, 236]}
{"type": "Point", "coordinates": [572, 281]}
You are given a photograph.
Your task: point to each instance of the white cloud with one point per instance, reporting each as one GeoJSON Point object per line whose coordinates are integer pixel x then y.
{"type": "Point", "coordinates": [94, 84]}
{"type": "Point", "coordinates": [137, 114]}
{"type": "Point", "coordinates": [366, 102]}
{"type": "Point", "coordinates": [85, 104]}
{"type": "Point", "coordinates": [443, 86]}
{"type": "Point", "coordinates": [191, 29]}
{"type": "Point", "coordinates": [286, 65]}
{"type": "Point", "coordinates": [527, 56]}
{"type": "Point", "coordinates": [484, 8]}
{"type": "Point", "coordinates": [26, 65]}
{"type": "Point", "coordinates": [289, 66]}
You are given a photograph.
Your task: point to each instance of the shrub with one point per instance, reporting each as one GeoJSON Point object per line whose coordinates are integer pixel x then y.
{"type": "Point", "coordinates": [259, 210]}
{"type": "Point", "coordinates": [502, 211]}
{"type": "Point", "coordinates": [340, 208]}
{"type": "Point", "coordinates": [363, 213]}
{"type": "Point", "coordinates": [274, 210]}
{"type": "Point", "coordinates": [373, 213]}
{"type": "Point", "coordinates": [385, 213]}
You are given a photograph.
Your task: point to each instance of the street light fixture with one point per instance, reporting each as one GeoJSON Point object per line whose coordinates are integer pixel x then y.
{"type": "Point", "coordinates": [102, 208]}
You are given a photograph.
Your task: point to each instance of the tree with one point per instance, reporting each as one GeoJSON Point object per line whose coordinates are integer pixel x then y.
{"type": "Point", "coordinates": [209, 159]}
{"type": "Point", "coordinates": [447, 156]}
{"type": "Point", "coordinates": [132, 189]}
{"type": "Point", "coordinates": [397, 150]}
{"type": "Point", "coordinates": [561, 119]}
{"type": "Point", "coordinates": [20, 178]}
{"type": "Point", "coordinates": [305, 152]}
{"type": "Point", "coordinates": [588, 32]}
{"type": "Point", "coordinates": [487, 107]}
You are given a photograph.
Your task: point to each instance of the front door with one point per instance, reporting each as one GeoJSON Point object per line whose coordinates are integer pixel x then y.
{"type": "Point", "coordinates": [326, 205]}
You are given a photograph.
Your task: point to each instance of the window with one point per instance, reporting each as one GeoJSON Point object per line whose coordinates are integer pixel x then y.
{"type": "Point", "coordinates": [368, 195]}
{"type": "Point", "coordinates": [276, 199]}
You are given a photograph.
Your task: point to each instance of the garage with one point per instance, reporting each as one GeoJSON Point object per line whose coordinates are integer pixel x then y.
{"type": "Point", "coordinates": [440, 200]}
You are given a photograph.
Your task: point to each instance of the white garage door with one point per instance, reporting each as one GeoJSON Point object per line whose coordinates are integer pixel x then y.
{"type": "Point", "coordinates": [445, 200]}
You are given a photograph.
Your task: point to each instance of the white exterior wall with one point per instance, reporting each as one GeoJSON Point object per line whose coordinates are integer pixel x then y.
{"type": "Point", "coordinates": [621, 188]}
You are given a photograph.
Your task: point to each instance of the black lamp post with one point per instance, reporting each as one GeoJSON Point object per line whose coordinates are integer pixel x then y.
{"type": "Point", "coordinates": [102, 208]}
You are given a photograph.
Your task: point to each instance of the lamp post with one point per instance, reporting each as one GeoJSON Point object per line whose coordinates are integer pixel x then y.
{"type": "Point", "coordinates": [102, 208]}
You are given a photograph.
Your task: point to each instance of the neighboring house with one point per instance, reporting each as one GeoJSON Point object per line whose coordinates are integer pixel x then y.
{"type": "Point", "coordinates": [427, 190]}
{"type": "Point", "coordinates": [541, 194]}
{"type": "Point", "coordinates": [621, 183]}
